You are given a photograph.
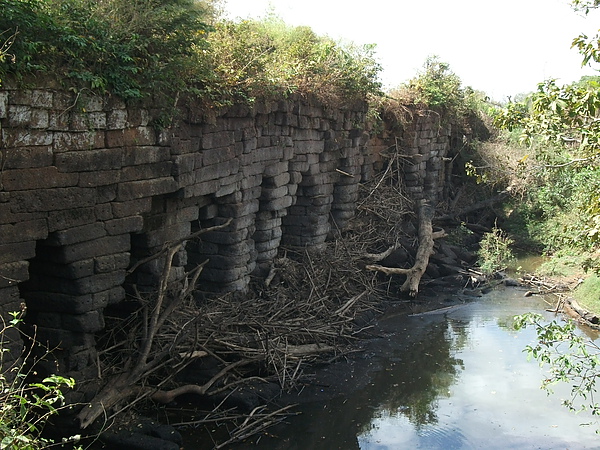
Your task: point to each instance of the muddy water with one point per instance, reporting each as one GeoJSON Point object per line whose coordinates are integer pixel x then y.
{"type": "Point", "coordinates": [453, 380]}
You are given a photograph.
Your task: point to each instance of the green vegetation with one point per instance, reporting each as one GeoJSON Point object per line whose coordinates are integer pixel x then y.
{"type": "Point", "coordinates": [438, 88]}
{"type": "Point", "coordinates": [551, 146]}
{"type": "Point", "coordinates": [551, 141]}
{"type": "Point", "coordinates": [127, 48]}
{"type": "Point", "coordinates": [588, 294]}
{"type": "Point", "coordinates": [494, 251]}
{"type": "Point", "coordinates": [570, 358]}
{"type": "Point", "coordinates": [266, 58]}
{"type": "Point", "coordinates": [165, 48]}
{"type": "Point", "coordinates": [25, 406]}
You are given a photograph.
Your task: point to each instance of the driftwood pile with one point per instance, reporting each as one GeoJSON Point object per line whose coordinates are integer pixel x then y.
{"type": "Point", "coordinates": [239, 351]}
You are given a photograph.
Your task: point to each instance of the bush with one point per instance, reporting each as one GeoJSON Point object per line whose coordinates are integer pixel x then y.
{"type": "Point", "coordinates": [438, 88]}
{"type": "Point", "coordinates": [26, 406]}
{"type": "Point", "coordinates": [129, 48]}
{"type": "Point", "coordinates": [570, 358]}
{"type": "Point", "coordinates": [269, 58]}
{"type": "Point", "coordinates": [163, 48]}
{"type": "Point", "coordinates": [494, 252]}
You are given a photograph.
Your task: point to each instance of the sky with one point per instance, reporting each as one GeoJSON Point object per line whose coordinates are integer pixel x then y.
{"type": "Point", "coordinates": [500, 47]}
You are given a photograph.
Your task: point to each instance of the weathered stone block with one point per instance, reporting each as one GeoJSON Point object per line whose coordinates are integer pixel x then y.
{"type": "Point", "coordinates": [116, 119]}
{"type": "Point", "coordinates": [106, 194]}
{"type": "Point", "coordinates": [217, 171]}
{"type": "Point", "coordinates": [229, 185]}
{"type": "Point", "coordinates": [99, 178]}
{"type": "Point", "coordinates": [3, 105]}
{"type": "Point", "coordinates": [124, 225]}
{"type": "Point", "coordinates": [219, 237]}
{"type": "Point", "coordinates": [68, 218]}
{"type": "Point", "coordinates": [71, 141]}
{"type": "Point", "coordinates": [268, 194]}
{"type": "Point", "coordinates": [28, 157]}
{"type": "Point", "coordinates": [82, 286]}
{"type": "Point", "coordinates": [90, 160]}
{"type": "Point", "coordinates": [115, 138]}
{"type": "Point", "coordinates": [146, 171]}
{"type": "Point", "coordinates": [278, 203]}
{"type": "Point", "coordinates": [32, 230]}
{"type": "Point", "coordinates": [111, 263]}
{"type": "Point", "coordinates": [108, 297]}
{"type": "Point", "coordinates": [88, 121]}
{"type": "Point", "coordinates": [19, 116]}
{"type": "Point", "coordinates": [298, 166]}
{"type": "Point", "coordinates": [218, 155]}
{"type": "Point", "coordinates": [145, 188]}
{"type": "Point", "coordinates": [26, 138]}
{"type": "Point", "coordinates": [157, 238]}
{"type": "Point", "coordinates": [199, 189]}
{"type": "Point", "coordinates": [53, 199]}
{"type": "Point", "coordinates": [216, 140]}
{"type": "Point", "coordinates": [208, 212]}
{"type": "Point", "coordinates": [133, 156]}
{"type": "Point", "coordinates": [266, 246]}
{"type": "Point", "coordinates": [11, 274]}
{"type": "Point", "coordinates": [223, 275]}
{"type": "Point", "coordinates": [103, 246]}
{"type": "Point", "coordinates": [76, 234]}
{"type": "Point", "coordinates": [37, 178]}
{"type": "Point", "coordinates": [183, 164]}
{"type": "Point", "coordinates": [238, 209]}
{"type": "Point", "coordinates": [63, 339]}
{"type": "Point", "coordinates": [137, 117]}
{"type": "Point", "coordinates": [34, 97]}
{"type": "Point", "coordinates": [18, 251]}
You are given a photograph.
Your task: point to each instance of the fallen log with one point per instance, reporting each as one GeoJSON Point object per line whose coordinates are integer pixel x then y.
{"type": "Point", "coordinates": [425, 250]}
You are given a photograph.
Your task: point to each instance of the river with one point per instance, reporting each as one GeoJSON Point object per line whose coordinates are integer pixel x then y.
{"type": "Point", "coordinates": [453, 380]}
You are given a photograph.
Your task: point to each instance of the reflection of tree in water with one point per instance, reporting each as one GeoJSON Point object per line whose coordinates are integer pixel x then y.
{"type": "Point", "coordinates": [419, 369]}
{"type": "Point", "coordinates": [425, 372]}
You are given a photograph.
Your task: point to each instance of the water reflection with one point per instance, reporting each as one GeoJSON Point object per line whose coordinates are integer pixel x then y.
{"type": "Point", "coordinates": [494, 402]}
{"type": "Point", "coordinates": [450, 381]}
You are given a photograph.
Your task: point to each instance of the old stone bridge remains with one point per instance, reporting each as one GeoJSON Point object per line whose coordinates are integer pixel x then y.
{"type": "Point", "coordinates": [88, 187]}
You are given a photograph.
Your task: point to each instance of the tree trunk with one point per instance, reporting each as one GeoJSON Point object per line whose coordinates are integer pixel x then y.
{"type": "Point", "coordinates": [425, 250]}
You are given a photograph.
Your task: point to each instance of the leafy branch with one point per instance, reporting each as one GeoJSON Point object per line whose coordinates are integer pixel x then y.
{"type": "Point", "coordinates": [570, 358]}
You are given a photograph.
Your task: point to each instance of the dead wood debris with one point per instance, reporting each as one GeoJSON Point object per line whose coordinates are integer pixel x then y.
{"type": "Point", "coordinates": [425, 250]}
{"type": "Point", "coordinates": [310, 308]}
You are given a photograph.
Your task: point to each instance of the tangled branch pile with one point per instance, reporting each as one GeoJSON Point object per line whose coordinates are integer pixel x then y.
{"type": "Point", "coordinates": [309, 309]}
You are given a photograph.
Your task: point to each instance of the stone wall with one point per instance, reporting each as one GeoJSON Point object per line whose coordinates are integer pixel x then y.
{"type": "Point", "coordinates": [88, 188]}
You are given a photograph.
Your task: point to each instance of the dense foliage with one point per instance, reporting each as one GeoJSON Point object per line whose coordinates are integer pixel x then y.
{"type": "Point", "coordinates": [438, 88]}
{"type": "Point", "coordinates": [560, 127]}
{"type": "Point", "coordinates": [127, 48]}
{"type": "Point", "coordinates": [266, 57]}
{"type": "Point", "coordinates": [559, 136]}
{"type": "Point", "coordinates": [163, 48]}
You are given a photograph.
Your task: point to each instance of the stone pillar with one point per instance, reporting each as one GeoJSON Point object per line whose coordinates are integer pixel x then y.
{"type": "Point", "coordinates": [75, 274]}
{"type": "Point", "coordinates": [230, 250]}
{"type": "Point", "coordinates": [168, 224]}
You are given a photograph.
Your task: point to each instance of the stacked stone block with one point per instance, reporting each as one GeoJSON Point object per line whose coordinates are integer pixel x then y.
{"type": "Point", "coordinates": [88, 188]}
{"type": "Point", "coordinates": [425, 145]}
